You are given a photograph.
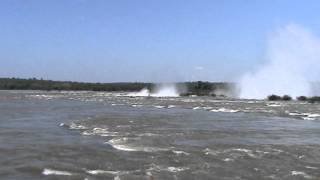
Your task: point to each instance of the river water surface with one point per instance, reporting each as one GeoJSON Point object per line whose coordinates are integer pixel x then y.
{"type": "Point", "coordinates": [92, 135]}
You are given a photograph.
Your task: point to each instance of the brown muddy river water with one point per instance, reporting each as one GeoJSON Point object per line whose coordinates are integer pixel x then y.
{"type": "Point", "coordinates": [94, 135]}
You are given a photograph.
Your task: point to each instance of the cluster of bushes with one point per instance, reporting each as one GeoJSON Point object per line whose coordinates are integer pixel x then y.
{"type": "Point", "coordinates": [313, 99]}
{"type": "Point", "coordinates": [201, 88]}
{"type": "Point", "coordinates": [279, 98]}
{"type": "Point", "coordinates": [302, 98]}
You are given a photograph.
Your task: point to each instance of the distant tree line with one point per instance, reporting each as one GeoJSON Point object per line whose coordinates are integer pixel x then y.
{"type": "Point", "coordinates": [188, 88]}
{"type": "Point", "coordinates": [39, 84]}
{"type": "Point", "coordinates": [314, 99]}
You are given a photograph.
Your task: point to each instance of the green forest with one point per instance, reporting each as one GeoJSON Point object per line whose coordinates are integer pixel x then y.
{"type": "Point", "coordinates": [189, 88]}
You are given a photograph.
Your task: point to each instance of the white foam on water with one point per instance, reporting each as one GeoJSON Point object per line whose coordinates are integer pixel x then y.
{"type": "Point", "coordinates": [172, 106]}
{"type": "Point", "coordinates": [242, 150]}
{"type": "Point", "coordinates": [196, 108]}
{"type": "Point", "coordinates": [177, 169]}
{"type": "Point", "coordinates": [228, 159]}
{"type": "Point", "coordinates": [278, 150]}
{"type": "Point", "coordinates": [262, 152]}
{"type": "Point", "coordinates": [272, 176]}
{"type": "Point", "coordinates": [189, 100]}
{"type": "Point", "coordinates": [295, 114]}
{"type": "Point", "coordinates": [180, 153]}
{"type": "Point", "coordinates": [122, 145]}
{"type": "Point", "coordinates": [136, 105]}
{"type": "Point", "coordinates": [116, 174]}
{"type": "Point", "coordinates": [47, 171]}
{"type": "Point", "coordinates": [305, 116]}
{"type": "Point", "coordinates": [75, 126]}
{"type": "Point", "coordinates": [45, 97]}
{"type": "Point", "coordinates": [208, 151]}
{"type": "Point", "coordinates": [247, 151]}
{"type": "Point", "coordinates": [100, 132]}
{"type": "Point", "coordinates": [262, 111]}
{"type": "Point", "coordinates": [123, 126]}
{"type": "Point", "coordinates": [119, 143]}
{"type": "Point", "coordinates": [308, 118]}
{"type": "Point", "coordinates": [169, 169]}
{"type": "Point", "coordinates": [207, 108]}
{"type": "Point", "coordinates": [159, 107]}
{"type": "Point", "coordinates": [98, 171]}
{"type": "Point", "coordinates": [300, 173]}
{"type": "Point", "coordinates": [311, 167]}
{"type": "Point", "coordinates": [273, 105]}
{"type": "Point", "coordinates": [148, 134]}
{"type": "Point", "coordinates": [311, 115]}
{"type": "Point", "coordinates": [252, 102]}
{"type": "Point", "coordinates": [150, 175]}
{"type": "Point", "coordinates": [225, 110]}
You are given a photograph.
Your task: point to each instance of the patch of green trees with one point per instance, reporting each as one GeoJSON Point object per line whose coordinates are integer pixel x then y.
{"type": "Point", "coordinates": [39, 84]}
{"type": "Point", "coordinates": [314, 99]}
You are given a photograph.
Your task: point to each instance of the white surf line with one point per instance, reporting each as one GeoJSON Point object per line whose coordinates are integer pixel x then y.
{"type": "Point", "coordinates": [48, 171]}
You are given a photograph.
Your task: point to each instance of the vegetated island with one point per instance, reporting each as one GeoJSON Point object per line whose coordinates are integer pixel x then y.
{"type": "Point", "coordinates": [198, 88]}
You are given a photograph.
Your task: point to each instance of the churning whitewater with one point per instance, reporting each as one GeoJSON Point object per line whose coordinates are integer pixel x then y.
{"type": "Point", "coordinates": [98, 135]}
{"type": "Point", "coordinates": [162, 90]}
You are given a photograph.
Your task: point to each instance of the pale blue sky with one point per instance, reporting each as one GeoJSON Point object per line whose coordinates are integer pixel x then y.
{"type": "Point", "coordinates": [142, 40]}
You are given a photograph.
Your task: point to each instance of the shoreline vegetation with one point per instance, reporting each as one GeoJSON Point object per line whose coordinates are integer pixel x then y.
{"type": "Point", "coordinates": [198, 88]}
{"type": "Point", "coordinates": [313, 99]}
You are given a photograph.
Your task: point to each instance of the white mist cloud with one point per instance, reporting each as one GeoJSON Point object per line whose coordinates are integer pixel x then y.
{"type": "Point", "coordinates": [161, 90]}
{"type": "Point", "coordinates": [293, 61]}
